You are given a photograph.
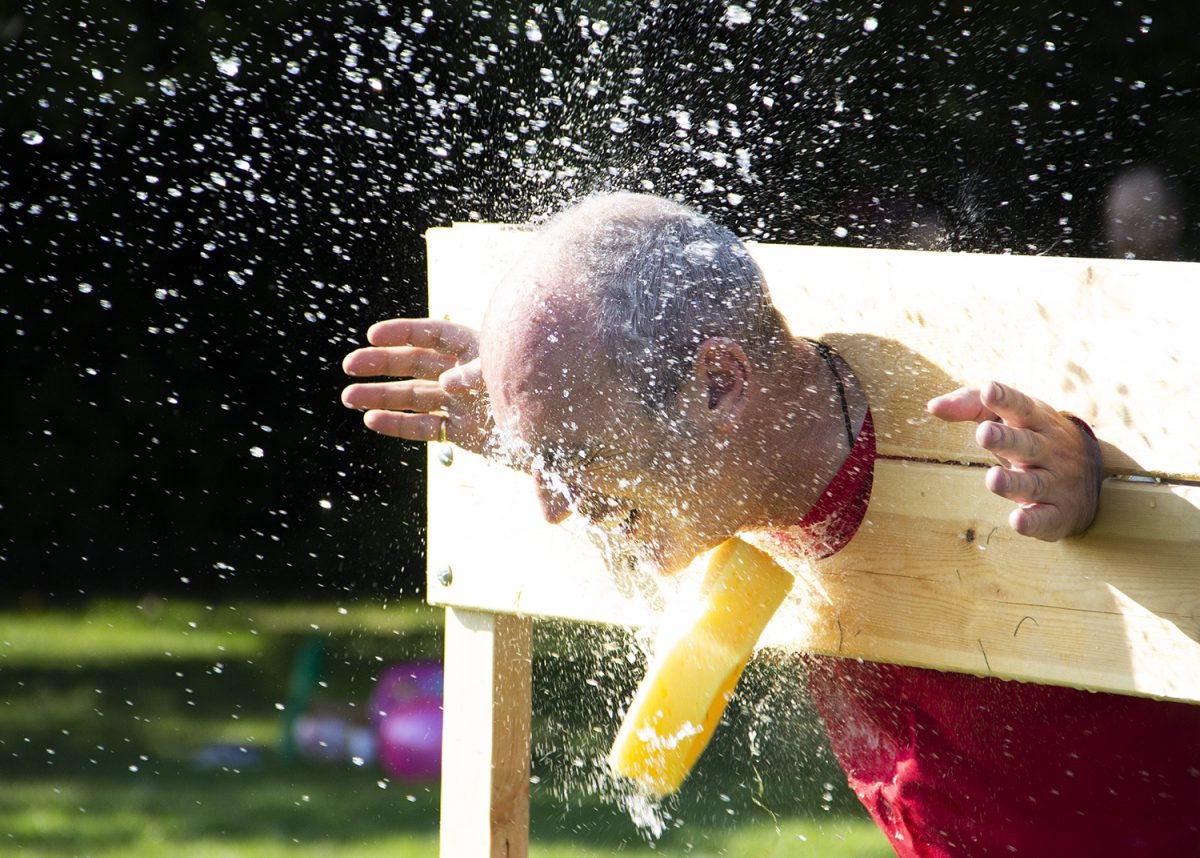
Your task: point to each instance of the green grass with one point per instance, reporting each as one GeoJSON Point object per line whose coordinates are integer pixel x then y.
{"type": "Point", "coordinates": [104, 708]}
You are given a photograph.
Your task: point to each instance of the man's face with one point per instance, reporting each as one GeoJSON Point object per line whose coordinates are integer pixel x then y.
{"type": "Point", "coordinates": [638, 479]}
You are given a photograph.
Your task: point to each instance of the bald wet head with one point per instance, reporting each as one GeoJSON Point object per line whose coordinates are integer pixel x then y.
{"type": "Point", "coordinates": [588, 349]}
{"type": "Point", "coordinates": [632, 284]}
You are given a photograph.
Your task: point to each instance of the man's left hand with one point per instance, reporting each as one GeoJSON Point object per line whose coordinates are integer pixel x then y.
{"type": "Point", "coordinates": [1051, 466]}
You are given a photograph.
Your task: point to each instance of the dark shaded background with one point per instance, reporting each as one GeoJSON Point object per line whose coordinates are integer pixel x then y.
{"type": "Point", "coordinates": [204, 204]}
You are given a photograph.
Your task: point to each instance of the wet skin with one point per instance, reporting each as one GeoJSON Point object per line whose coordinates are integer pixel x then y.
{"type": "Point", "coordinates": [658, 482]}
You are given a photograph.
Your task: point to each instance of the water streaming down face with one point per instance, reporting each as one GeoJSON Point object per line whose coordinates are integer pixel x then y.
{"type": "Point", "coordinates": [204, 205]}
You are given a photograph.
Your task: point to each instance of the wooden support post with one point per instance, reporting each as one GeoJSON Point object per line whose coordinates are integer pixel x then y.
{"type": "Point", "coordinates": [485, 737]}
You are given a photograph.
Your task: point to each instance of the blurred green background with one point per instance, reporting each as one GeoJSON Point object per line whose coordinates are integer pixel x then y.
{"type": "Point", "coordinates": [107, 712]}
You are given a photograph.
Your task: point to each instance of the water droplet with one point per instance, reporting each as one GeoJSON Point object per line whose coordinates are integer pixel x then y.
{"type": "Point", "coordinates": [33, 138]}
{"type": "Point", "coordinates": [600, 28]}
{"type": "Point", "coordinates": [167, 86]}
{"type": "Point", "coordinates": [228, 66]}
{"type": "Point", "coordinates": [618, 125]}
{"type": "Point", "coordinates": [97, 74]}
{"type": "Point", "coordinates": [532, 31]}
{"type": "Point", "coordinates": [325, 503]}
{"type": "Point", "coordinates": [870, 25]}
{"type": "Point", "coordinates": [257, 452]}
{"type": "Point", "coordinates": [736, 15]}
{"type": "Point", "coordinates": [1068, 196]}
{"type": "Point", "coordinates": [841, 232]}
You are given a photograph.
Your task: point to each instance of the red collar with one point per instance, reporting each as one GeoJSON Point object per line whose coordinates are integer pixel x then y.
{"type": "Point", "coordinates": [836, 515]}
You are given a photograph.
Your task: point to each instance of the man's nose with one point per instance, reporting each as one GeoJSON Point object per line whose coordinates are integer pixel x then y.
{"type": "Point", "coordinates": [554, 499]}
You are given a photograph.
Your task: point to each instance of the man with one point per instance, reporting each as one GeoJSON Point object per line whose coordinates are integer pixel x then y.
{"type": "Point", "coordinates": [636, 367]}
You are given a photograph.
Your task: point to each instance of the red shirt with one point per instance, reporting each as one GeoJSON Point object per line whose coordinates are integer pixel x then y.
{"type": "Point", "coordinates": [955, 765]}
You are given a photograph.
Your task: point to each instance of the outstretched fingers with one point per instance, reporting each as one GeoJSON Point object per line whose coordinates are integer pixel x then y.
{"type": "Point", "coordinates": [410, 427]}
{"type": "Point", "coordinates": [991, 402]}
{"type": "Point", "coordinates": [1052, 469]}
{"type": "Point", "coordinates": [415, 395]}
{"type": "Point", "coordinates": [1023, 486]}
{"type": "Point", "coordinates": [1011, 444]}
{"type": "Point", "coordinates": [464, 379]}
{"type": "Point", "coordinates": [960, 406]}
{"type": "Point", "coordinates": [398, 361]}
{"type": "Point", "coordinates": [435, 390]}
{"type": "Point", "coordinates": [1014, 407]}
{"type": "Point", "coordinates": [435, 334]}
{"type": "Point", "coordinates": [1039, 521]}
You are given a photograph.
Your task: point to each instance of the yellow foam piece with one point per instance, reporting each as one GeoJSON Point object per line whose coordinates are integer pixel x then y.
{"type": "Point", "coordinates": [692, 677]}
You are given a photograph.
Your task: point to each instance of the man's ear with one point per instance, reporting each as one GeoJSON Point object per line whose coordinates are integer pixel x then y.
{"type": "Point", "coordinates": [721, 376]}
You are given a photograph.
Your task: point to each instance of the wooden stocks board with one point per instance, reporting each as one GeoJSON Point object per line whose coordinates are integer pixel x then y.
{"type": "Point", "coordinates": [935, 577]}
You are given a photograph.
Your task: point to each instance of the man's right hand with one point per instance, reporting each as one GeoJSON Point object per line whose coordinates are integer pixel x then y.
{"type": "Point", "coordinates": [434, 366]}
{"type": "Point", "coordinates": [1052, 468]}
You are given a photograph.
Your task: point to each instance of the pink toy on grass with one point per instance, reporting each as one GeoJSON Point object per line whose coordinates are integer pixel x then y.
{"type": "Point", "coordinates": [406, 708]}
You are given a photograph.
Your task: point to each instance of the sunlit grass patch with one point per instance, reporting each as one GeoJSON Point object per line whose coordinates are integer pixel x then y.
{"type": "Point", "coordinates": [106, 634]}
{"type": "Point", "coordinates": [114, 631]}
